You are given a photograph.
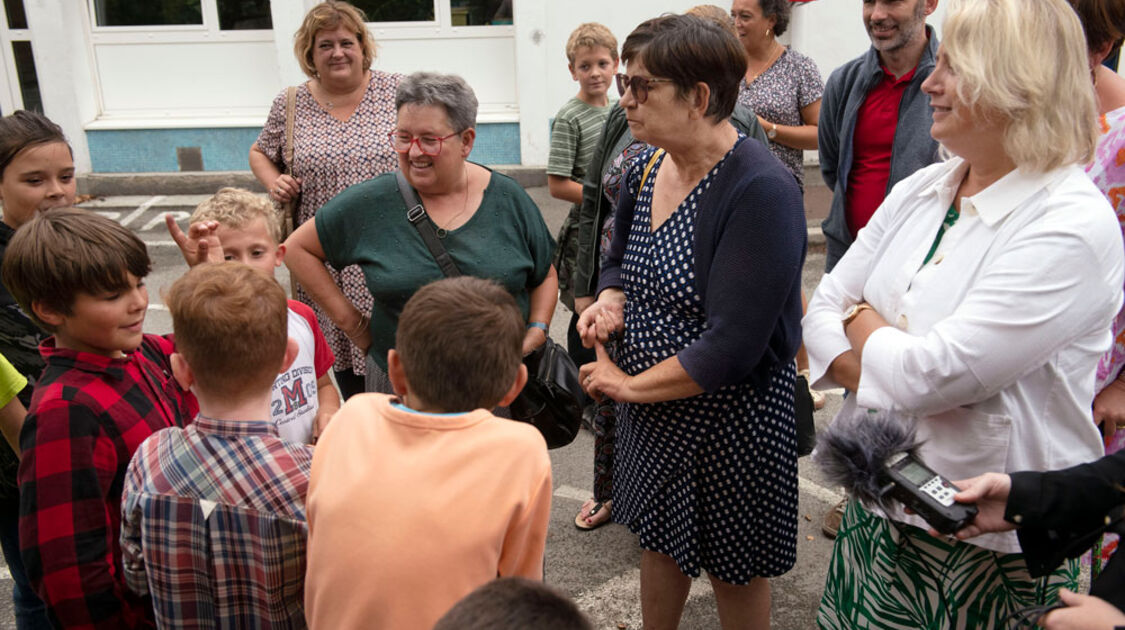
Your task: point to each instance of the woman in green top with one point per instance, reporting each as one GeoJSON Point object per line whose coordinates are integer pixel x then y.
{"type": "Point", "coordinates": [485, 220]}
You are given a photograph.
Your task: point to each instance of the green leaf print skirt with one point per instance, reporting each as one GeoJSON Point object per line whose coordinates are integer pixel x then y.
{"type": "Point", "coordinates": [887, 575]}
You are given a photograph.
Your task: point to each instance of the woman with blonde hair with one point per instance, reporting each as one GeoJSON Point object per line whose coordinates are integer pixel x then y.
{"type": "Point", "coordinates": [974, 306]}
{"type": "Point", "coordinates": [342, 116]}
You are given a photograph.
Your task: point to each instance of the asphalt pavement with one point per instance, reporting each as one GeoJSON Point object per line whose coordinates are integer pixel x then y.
{"type": "Point", "coordinates": [599, 568]}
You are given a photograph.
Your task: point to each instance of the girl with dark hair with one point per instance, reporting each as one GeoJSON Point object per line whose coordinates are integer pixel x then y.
{"type": "Point", "coordinates": [36, 174]}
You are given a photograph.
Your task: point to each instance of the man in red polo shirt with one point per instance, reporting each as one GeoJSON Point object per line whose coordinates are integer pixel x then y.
{"type": "Point", "coordinates": [874, 120]}
{"type": "Point", "coordinates": [875, 127]}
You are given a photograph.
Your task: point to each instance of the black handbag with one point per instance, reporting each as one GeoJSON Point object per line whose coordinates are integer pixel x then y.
{"type": "Point", "coordinates": [550, 401]}
{"type": "Point", "coordinates": [806, 427]}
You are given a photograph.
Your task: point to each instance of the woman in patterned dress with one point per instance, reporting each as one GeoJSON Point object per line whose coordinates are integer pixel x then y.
{"type": "Point", "coordinates": [702, 283]}
{"type": "Point", "coordinates": [1103, 21]}
{"type": "Point", "coordinates": [781, 84]}
{"type": "Point", "coordinates": [343, 115]}
{"type": "Point", "coordinates": [975, 306]}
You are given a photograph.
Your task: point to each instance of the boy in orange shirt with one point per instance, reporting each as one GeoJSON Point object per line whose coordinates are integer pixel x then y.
{"type": "Point", "coordinates": [418, 499]}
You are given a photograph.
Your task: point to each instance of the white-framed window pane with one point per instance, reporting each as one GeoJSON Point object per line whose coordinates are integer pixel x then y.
{"type": "Point", "coordinates": [480, 12]}
{"type": "Point", "coordinates": [17, 19]}
{"type": "Point", "coordinates": [397, 10]}
{"type": "Point", "coordinates": [147, 13]}
{"type": "Point", "coordinates": [244, 15]}
{"type": "Point", "coordinates": [25, 71]}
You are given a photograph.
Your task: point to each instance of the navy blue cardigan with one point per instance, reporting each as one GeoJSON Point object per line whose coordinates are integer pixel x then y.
{"type": "Point", "coordinates": [750, 239]}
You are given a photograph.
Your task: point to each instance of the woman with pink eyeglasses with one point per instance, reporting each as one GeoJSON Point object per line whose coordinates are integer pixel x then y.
{"type": "Point", "coordinates": [485, 221]}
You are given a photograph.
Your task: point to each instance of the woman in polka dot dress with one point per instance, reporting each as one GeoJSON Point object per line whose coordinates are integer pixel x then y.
{"type": "Point", "coordinates": [701, 293]}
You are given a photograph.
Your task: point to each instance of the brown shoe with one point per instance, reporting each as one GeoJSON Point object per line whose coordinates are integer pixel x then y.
{"type": "Point", "coordinates": [833, 518]}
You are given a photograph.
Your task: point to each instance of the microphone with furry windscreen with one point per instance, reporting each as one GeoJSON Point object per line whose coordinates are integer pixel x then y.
{"type": "Point", "coordinates": [872, 455]}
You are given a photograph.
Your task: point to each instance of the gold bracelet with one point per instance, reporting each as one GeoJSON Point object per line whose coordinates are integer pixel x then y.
{"type": "Point", "coordinates": [364, 322]}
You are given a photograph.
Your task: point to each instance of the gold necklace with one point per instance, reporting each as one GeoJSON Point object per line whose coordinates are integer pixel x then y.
{"type": "Point", "coordinates": [347, 98]}
{"type": "Point", "coordinates": [769, 62]}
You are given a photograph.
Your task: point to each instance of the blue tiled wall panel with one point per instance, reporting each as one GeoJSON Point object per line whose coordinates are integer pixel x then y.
{"type": "Point", "coordinates": [225, 149]}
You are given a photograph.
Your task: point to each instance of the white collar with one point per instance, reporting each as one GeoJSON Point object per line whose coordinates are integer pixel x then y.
{"type": "Point", "coordinates": [997, 201]}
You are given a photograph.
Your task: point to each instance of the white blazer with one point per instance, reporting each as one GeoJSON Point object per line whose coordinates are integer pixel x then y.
{"type": "Point", "coordinates": [994, 342]}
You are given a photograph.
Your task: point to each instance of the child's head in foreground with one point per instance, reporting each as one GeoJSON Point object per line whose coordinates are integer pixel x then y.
{"type": "Point", "coordinates": [458, 347]}
{"type": "Point", "coordinates": [249, 228]}
{"type": "Point", "coordinates": [80, 276]}
{"type": "Point", "coordinates": [232, 330]}
{"type": "Point", "coordinates": [514, 603]}
{"type": "Point", "coordinates": [591, 54]}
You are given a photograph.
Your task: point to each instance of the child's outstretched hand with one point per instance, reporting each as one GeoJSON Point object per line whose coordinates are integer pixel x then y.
{"type": "Point", "coordinates": [201, 243]}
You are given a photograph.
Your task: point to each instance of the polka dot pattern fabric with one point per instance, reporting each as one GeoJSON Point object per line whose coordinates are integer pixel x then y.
{"type": "Point", "coordinates": [709, 480]}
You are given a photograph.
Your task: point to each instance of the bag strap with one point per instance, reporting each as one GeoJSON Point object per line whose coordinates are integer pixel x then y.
{"type": "Point", "coordinates": [648, 167]}
{"type": "Point", "coordinates": [416, 214]}
{"type": "Point", "coordinates": [290, 115]}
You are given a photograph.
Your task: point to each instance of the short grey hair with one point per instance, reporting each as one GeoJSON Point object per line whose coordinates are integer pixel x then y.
{"type": "Point", "coordinates": [444, 90]}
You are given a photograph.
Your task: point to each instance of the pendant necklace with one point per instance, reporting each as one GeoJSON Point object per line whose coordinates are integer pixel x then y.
{"type": "Point", "coordinates": [441, 232]}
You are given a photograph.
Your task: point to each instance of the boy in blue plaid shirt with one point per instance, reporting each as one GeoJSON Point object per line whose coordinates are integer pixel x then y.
{"type": "Point", "coordinates": [213, 516]}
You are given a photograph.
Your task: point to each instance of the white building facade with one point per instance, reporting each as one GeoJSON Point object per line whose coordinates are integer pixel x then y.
{"type": "Point", "coordinates": [170, 85]}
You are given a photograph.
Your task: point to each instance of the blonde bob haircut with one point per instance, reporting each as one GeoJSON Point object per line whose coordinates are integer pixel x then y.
{"type": "Point", "coordinates": [1025, 61]}
{"type": "Point", "coordinates": [330, 16]}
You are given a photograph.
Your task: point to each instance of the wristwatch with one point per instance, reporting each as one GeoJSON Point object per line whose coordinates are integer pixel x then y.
{"type": "Point", "coordinates": [854, 311]}
{"type": "Point", "coordinates": [772, 133]}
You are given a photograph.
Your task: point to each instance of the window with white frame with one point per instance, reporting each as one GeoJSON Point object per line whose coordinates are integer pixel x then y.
{"type": "Point", "coordinates": [231, 15]}
{"type": "Point", "coordinates": [255, 14]}
{"type": "Point", "coordinates": [461, 12]}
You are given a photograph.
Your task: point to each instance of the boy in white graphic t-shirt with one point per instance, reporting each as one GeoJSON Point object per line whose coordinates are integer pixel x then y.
{"type": "Point", "coordinates": [247, 229]}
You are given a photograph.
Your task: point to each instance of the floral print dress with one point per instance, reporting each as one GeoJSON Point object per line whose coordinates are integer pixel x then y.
{"type": "Point", "coordinates": [329, 156]}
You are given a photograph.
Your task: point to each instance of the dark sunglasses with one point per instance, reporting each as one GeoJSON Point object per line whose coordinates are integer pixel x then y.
{"type": "Point", "coordinates": [638, 84]}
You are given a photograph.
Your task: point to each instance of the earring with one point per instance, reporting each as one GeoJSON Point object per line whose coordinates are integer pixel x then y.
{"type": "Point", "coordinates": [767, 32]}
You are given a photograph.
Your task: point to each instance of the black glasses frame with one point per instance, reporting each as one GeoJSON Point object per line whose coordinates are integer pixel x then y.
{"type": "Point", "coordinates": [638, 84]}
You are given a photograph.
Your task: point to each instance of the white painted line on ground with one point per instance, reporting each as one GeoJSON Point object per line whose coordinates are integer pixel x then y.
{"type": "Point", "coordinates": [141, 210]}
{"type": "Point", "coordinates": [179, 215]}
{"type": "Point", "coordinates": [161, 243]}
{"type": "Point", "coordinates": [820, 492]}
{"type": "Point", "coordinates": [112, 215]}
{"type": "Point", "coordinates": [570, 492]}
{"type": "Point", "coordinates": [157, 307]}
{"type": "Point", "coordinates": [618, 600]}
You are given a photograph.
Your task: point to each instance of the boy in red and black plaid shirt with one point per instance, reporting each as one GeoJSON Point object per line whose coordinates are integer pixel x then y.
{"type": "Point", "coordinates": [105, 388]}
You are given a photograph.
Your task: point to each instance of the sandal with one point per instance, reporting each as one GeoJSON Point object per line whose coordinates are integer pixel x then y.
{"type": "Point", "coordinates": [593, 514]}
{"type": "Point", "coordinates": [817, 398]}
{"type": "Point", "coordinates": [834, 518]}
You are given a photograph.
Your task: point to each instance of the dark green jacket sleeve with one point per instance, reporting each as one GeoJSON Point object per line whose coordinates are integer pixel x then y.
{"type": "Point", "coordinates": [595, 207]}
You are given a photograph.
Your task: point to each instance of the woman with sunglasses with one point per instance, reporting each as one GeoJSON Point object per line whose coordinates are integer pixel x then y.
{"type": "Point", "coordinates": [484, 220]}
{"type": "Point", "coordinates": [700, 289]}
{"type": "Point", "coordinates": [612, 157]}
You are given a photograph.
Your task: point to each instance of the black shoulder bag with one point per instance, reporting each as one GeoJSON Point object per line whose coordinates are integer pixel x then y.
{"type": "Point", "coordinates": [550, 401]}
